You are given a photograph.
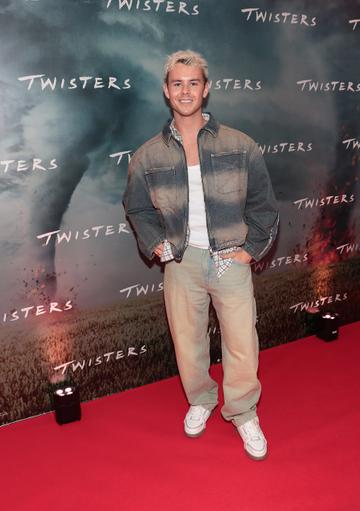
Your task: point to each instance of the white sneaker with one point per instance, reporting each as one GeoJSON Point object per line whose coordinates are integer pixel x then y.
{"type": "Point", "coordinates": [255, 444]}
{"type": "Point", "coordinates": [195, 420]}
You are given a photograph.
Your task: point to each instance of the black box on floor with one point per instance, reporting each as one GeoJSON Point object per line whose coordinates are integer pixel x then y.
{"type": "Point", "coordinates": [67, 405]}
{"type": "Point", "coordinates": [328, 326]}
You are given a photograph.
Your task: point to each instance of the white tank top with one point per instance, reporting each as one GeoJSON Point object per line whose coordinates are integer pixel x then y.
{"type": "Point", "coordinates": [197, 217]}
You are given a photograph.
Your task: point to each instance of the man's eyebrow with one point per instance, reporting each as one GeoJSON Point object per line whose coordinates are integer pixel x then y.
{"type": "Point", "coordinates": [186, 79]}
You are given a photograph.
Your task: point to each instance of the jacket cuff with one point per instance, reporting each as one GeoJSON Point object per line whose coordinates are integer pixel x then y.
{"type": "Point", "coordinates": [250, 250]}
{"type": "Point", "coordinates": [150, 252]}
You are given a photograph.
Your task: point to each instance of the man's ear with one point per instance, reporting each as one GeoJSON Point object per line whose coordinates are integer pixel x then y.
{"type": "Point", "coordinates": [206, 90]}
{"type": "Point", "coordinates": [166, 90]}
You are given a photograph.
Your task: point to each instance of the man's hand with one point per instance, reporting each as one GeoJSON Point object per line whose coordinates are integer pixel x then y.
{"type": "Point", "coordinates": [241, 256]}
{"type": "Point", "coordinates": [159, 249]}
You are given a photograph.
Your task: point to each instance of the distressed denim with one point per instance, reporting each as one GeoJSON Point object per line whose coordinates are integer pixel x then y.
{"type": "Point", "coordinates": [241, 209]}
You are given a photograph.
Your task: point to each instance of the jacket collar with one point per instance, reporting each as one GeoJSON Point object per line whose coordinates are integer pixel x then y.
{"type": "Point", "coordinates": [212, 126]}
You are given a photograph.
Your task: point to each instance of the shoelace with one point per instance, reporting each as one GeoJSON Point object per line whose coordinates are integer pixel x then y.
{"type": "Point", "coordinates": [196, 412]}
{"type": "Point", "coordinates": [253, 430]}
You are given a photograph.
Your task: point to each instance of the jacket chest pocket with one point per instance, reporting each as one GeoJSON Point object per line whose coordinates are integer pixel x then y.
{"type": "Point", "coordinates": [162, 186]}
{"type": "Point", "coordinates": [229, 171]}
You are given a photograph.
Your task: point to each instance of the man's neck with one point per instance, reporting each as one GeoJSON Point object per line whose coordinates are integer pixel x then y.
{"type": "Point", "coordinates": [189, 126]}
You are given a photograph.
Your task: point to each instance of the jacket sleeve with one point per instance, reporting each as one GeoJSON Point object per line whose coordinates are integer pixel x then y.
{"type": "Point", "coordinates": [144, 217]}
{"type": "Point", "coordinates": [261, 210]}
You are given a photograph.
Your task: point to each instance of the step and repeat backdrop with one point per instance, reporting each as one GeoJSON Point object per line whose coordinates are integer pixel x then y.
{"type": "Point", "coordinates": [80, 90]}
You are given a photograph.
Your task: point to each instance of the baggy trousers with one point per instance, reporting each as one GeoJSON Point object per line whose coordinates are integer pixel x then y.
{"type": "Point", "coordinates": [188, 288]}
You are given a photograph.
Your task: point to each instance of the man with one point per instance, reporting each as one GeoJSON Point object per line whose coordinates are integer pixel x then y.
{"type": "Point", "coordinates": [199, 197]}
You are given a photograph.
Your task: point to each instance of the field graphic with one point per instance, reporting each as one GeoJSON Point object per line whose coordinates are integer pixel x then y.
{"type": "Point", "coordinates": [128, 344]}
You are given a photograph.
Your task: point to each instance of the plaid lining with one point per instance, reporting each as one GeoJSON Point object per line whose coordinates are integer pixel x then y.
{"type": "Point", "coordinates": [167, 254]}
{"type": "Point", "coordinates": [221, 264]}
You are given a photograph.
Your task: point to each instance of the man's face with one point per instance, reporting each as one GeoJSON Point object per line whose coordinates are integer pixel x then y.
{"type": "Point", "coordinates": [186, 89]}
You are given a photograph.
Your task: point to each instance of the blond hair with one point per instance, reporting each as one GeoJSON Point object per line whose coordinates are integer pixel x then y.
{"type": "Point", "coordinates": [188, 58]}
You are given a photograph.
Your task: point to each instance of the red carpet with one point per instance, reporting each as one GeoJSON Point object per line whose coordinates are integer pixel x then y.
{"type": "Point", "coordinates": [129, 451]}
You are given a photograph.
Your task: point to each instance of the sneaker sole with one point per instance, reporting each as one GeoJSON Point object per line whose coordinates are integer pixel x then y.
{"type": "Point", "coordinates": [256, 458]}
{"type": "Point", "coordinates": [195, 435]}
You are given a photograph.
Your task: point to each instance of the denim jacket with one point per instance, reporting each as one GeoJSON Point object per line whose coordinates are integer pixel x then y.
{"type": "Point", "coordinates": [241, 209]}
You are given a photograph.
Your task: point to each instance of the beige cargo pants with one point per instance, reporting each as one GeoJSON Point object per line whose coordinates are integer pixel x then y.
{"type": "Point", "coordinates": [188, 288]}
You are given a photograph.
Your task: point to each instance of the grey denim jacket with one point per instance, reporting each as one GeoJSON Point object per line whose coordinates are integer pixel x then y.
{"type": "Point", "coordinates": [241, 209]}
